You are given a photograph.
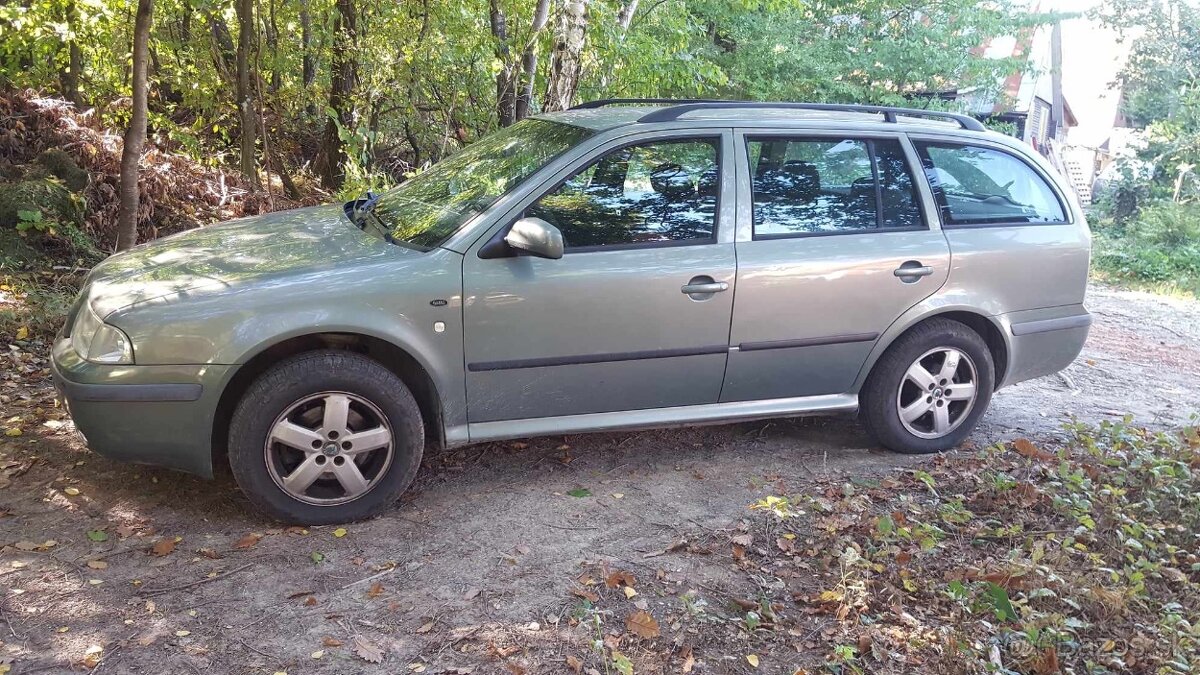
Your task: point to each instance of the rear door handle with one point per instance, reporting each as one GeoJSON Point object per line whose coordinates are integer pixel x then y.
{"type": "Point", "coordinates": [705, 287]}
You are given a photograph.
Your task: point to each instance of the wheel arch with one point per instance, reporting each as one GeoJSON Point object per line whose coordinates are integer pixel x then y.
{"type": "Point", "coordinates": [395, 358]}
{"type": "Point", "coordinates": [986, 326]}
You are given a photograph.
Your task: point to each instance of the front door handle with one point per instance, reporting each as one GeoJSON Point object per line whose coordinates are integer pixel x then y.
{"type": "Point", "coordinates": [704, 286]}
{"type": "Point", "coordinates": [912, 271]}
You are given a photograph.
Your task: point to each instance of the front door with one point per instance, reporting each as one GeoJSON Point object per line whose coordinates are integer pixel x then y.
{"type": "Point", "coordinates": [635, 314]}
{"type": "Point", "coordinates": [836, 250]}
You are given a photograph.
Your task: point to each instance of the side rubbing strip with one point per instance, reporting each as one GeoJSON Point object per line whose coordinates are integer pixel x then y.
{"type": "Point", "coordinates": [808, 342]}
{"type": "Point", "coordinates": [484, 366]}
{"type": "Point", "coordinates": [1047, 325]}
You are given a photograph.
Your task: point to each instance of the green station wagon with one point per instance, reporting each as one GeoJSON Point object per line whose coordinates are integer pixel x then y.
{"type": "Point", "coordinates": [625, 264]}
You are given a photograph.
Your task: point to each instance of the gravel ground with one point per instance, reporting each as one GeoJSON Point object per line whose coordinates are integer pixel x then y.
{"type": "Point", "coordinates": [141, 570]}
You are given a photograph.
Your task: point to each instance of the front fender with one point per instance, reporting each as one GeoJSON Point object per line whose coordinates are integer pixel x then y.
{"type": "Point", "coordinates": [397, 303]}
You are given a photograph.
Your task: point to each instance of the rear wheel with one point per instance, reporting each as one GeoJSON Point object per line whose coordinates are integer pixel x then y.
{"type": "Point", "coordinates": [325, 437]}
{"type": "Point", "coordinates": [929, 389]}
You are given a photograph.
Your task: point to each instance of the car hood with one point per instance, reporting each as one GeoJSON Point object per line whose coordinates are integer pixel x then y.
{"type": "Point", "coordinates": [233, 254]}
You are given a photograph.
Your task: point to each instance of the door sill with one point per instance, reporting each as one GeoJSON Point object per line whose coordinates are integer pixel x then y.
{"type": "Point", "coordinates": [656, 418]}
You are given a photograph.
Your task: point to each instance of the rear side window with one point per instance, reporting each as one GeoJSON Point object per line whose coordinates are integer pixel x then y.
{"type": "Point", "coordinates": [975, 185]}
{"type": "Point", "coordinates": [807, 186]}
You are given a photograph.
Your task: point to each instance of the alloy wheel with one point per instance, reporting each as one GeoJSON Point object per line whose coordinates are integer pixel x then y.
{"type": "Point", "coordinates": [937, 392]}
{"type": "Point", "coordinates": [329, 448]}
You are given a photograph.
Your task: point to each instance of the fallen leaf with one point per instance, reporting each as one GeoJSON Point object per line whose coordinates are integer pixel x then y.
{"type": "Point", "coordinates": [22, 333]}
{"type": "Point", "coordinates": [209, 553]}
{"type": "Point", "coordinates": [752, 659]}
{"type": "Point", "coordinates": [375, 591]}
{"type": "Point", "coordinates": [182, 633]}
{"type": "Point", "coordinates": [629, 592]}
{"type": "Point", "coordinates": [317, 557]}
{"type": "Point", "coordinates": [339, 533]}
{"type": "Point", "coordinates": [643, 625]}
{"type": "Point", "coordinates": [426, 627]}
{"type": "Point", "coordinates": [618, 578]}
{"type": "Point", "coordinates": [689, 661]}
{"type": "Point", "coordinates": [331, 642]}
{"type": "Point", "coordinates": [25, 546]}
{"type": "Point", "coordinates": [97, 564]}
{"type": "Point", "coordinates": [1026, 448]}
{"type": "Point", "coordinates": [310, 601]}
{"type": "Point", "coordinates": [580, 492]}
{"type": "Point", "coordinates": [248, 541]}
{"type": "Point", "coordinates": [72, 491]}
{"type": "Point", "coordinates": [318, 654]}
{"type": "Point", "coordinates": [367, 650]}
{"type": "Point", "coordinates": [13, 432]}
{"type": "Point", "coordinates": [585, 594]}
{"type": "Point", "coordinates": [574, 664]}
{"type": "Point", "coordinates": [163, 547]}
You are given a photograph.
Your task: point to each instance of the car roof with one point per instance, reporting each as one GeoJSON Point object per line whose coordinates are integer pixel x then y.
{"type": "Point", "coordinates": [605, 117]}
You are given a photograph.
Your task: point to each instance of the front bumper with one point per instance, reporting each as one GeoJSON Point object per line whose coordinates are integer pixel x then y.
{"type": "Point", "coordinates": [161, 415]}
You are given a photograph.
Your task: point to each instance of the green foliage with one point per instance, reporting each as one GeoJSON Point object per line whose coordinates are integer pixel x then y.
{"type": "Point", "coordinates": [1161, 248]}
{"type": "Point", "coordinates": [427, 72]}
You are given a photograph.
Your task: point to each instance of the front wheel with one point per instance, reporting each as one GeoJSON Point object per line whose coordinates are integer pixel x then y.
{"type": "Point", "coordinates": [929, 389]}
{"type": "Point", "coordinates": [325, 437]}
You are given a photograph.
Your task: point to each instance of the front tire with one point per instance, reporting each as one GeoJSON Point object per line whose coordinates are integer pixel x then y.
{"type": "Point", "coordinates": [326, 437]}
{"type": "Point", "coordinates": [929, 389]}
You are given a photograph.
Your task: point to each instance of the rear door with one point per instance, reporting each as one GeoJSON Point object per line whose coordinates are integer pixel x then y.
{"type": "Point", "coordinates": [833, 245]}
{"type": "Point", "coordinates": [636, 313]}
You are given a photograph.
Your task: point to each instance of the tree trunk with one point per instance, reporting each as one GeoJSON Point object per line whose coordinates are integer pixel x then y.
{"type": "Point", "coordinates": [625, 17]}
{"type": "Point", "coordinates": [332, 156]}
{"type": "Point", "coordinates": [245, 94]}
{"type": "Point", "coordinates": [222, 41]}
{"type": "Point", "coordinates": [529, 60]}
{"type": "Point", "coordinates": [69, 78]}
{"type": "Point", "coordinates": [308, 69]}
{"type": "Point", "coordinates": [273, 43]}
{"type": "Point", "coordinates": [506, 95]}
{"type": "Point", "coordinates": [568, 55]}
{"type": "Point", "coordinates": [135, 135]}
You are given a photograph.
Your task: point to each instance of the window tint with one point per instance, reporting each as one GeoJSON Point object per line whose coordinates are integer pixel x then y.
{"type": "Point", "coordinates": [828, 185]}
{"type": "Point", "coordinates": [978, 186]}
{"type": "Point", "coordinates": [642, 194]}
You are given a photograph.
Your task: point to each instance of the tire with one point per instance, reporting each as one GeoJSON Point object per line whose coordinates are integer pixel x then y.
{"type": "Point", "coordinates": [336, 477]}
{"type": "Point", "coordinates": [893, 384]}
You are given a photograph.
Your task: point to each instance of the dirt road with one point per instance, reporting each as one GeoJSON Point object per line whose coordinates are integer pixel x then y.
{"type": "Point", "coordinates": [140, 570]}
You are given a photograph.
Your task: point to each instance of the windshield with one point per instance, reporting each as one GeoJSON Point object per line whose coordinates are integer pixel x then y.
{"type": "Point", "coordinates": [429, 207]}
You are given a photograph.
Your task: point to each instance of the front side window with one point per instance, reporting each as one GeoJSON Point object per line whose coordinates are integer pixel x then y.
{"type": "Point", "coordinates": [804, 186]}
{"type": "Point", "coordinates": [975, 185]}
{"type": "Point", "coordinates": [652, 193]}
{"type": "Point", "coordinates": [429, 207]}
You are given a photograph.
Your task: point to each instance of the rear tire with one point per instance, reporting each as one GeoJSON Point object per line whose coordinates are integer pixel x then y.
{"type": "Point", "coordinates": [929, 389]}
{"type": "Point", "coordinates": [326, 437]}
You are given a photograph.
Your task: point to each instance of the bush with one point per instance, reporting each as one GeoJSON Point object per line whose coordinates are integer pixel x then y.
{"type": "Point", "coordinates": [1160, 248]}
{"type": "Point", "coordinates": [1168, 224]}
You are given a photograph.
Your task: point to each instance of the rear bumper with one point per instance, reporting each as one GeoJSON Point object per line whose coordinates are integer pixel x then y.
{"type": "Point", "coordinates": [1044, 341]}
{"type": "Point", "coordinates": [161, 415]}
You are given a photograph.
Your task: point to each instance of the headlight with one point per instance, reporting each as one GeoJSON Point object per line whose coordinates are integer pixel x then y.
{"type": "Point", "coordinates": [97, 341]}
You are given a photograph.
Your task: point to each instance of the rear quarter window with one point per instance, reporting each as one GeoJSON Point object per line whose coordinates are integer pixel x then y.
{"type": "Point", "coordinates": [977, 185]}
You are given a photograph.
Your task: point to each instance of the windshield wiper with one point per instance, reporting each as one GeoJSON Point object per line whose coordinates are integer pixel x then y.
{"type": "Point", "coordinates": [360, 210]}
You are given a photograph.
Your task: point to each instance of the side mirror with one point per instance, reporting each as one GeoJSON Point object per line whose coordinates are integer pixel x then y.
{"type": "Point", "coordinates": [536, 237]}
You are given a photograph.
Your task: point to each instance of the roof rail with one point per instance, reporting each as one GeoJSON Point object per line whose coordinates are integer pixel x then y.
{"type": "Point", "coordinates": [678, 108]}
{"type": "Point", "coordinates": [600, 103]}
